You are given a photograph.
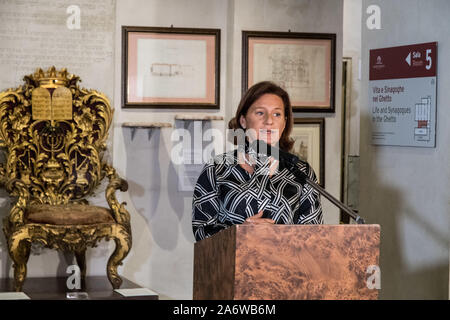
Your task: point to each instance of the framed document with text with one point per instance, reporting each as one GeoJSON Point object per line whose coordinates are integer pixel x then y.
{"type": "Point", "coordinates": [309, 145]}
{"type": "Point", "coordinates": [170, 67]}
{"type": "Point", "coordinates": [301, 63]}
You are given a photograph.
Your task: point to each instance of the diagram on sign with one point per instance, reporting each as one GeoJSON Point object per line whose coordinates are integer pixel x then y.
{"type": "Point", "coordinates": [423, 118]}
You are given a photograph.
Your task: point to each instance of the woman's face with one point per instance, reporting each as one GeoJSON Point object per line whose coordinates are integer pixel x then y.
{"type": "Point", "coordinates": [267, 119]}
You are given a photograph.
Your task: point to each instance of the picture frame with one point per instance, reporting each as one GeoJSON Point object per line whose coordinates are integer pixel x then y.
{"type": "Point", "coordinates": [304, 64]}
{"type": "Point", "coordinates": [309, 145]}
{"type": "Point", "coordinates": [170, 68]}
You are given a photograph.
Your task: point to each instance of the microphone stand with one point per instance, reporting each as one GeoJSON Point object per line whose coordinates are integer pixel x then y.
{"type": "Point", "coordinates": [290, 161]}
{"type": "Point", "coordinates": [336, 202]}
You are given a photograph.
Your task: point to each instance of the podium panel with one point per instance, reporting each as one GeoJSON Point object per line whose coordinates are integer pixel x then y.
{"type": "Point", "coordinates": [287, 262]}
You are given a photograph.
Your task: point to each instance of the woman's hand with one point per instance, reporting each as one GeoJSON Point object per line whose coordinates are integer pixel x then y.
{"type": "Point", "coordinates": [258, 219]}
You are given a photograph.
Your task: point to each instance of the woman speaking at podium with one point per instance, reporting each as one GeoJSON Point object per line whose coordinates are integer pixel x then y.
{"type": "Point", "coordinates": [242, 186]}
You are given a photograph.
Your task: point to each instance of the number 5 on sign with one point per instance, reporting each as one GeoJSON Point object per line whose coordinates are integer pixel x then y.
{"type": "Point", "coordinates": [428, 58]}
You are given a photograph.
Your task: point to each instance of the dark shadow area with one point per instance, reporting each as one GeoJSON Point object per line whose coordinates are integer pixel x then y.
{"type": "Point", "coordinates": [181, 198]}
{"type": "Point", "coordinates": [143, 171]}
{"type": "Point", "coordinates": [407, 268]}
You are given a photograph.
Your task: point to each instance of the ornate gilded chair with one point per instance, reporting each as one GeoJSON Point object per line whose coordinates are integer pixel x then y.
{"type": "Point", "coordinates": [54, 135]}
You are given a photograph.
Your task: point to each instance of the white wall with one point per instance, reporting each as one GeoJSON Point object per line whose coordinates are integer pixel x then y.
{"type": "Point", "coordinates": [352, 49]}
{"type": "Point", "coordinates": [405, 189]}
{"type": "Point", "coordinates": [162, 254]}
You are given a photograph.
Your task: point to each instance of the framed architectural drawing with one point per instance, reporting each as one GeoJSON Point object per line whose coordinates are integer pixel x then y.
{"type": "Point", "coordinates": [302, 63]}
{"type": "Point", "coordinates": [170, 67]}
{"type": "Point", "coordinates": [309, 137]}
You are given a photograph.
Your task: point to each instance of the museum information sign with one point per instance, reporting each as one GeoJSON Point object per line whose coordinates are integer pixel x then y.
{"type": "Point", "coordinates": [402, 95]}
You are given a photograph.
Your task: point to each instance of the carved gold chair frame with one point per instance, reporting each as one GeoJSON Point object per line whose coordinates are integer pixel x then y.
{"type": "Point", "coordinates": [54, 136]}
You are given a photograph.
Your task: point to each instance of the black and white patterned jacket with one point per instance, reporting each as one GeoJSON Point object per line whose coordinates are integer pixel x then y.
{"type": "Point", "coordinates": [226, 194]}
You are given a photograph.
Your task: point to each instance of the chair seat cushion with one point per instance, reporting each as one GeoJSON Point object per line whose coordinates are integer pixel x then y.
{"type": "Point", "coordinates": [69, 214]}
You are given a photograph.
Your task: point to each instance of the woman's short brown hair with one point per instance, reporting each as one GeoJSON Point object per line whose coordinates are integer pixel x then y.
{"type": "Point", "coordinates": [253, 94]}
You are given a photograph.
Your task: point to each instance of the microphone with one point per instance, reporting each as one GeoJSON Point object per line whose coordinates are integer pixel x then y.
{"type": "Point", "coordinates": [261, 148]}
{"type": "Point", "coordinates": [290, 161]}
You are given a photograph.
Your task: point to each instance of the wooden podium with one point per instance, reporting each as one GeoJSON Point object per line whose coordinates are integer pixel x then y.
{"type": "Point", "coordinates": [287, 262]}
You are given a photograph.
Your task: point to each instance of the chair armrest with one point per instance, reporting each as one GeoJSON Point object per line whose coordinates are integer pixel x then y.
{"type": "Point", "coordinates": [120, 214]}
{"type": "Point", "coordinates": [17, 187]}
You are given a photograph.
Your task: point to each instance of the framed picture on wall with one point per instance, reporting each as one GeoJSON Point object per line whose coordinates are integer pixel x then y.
{"type": "Point", "coordinates": [170, 67]}
{"type": "Point", "coordinates": [302, 63]}
{"type": "Point", "coordinates": [309, 137]}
